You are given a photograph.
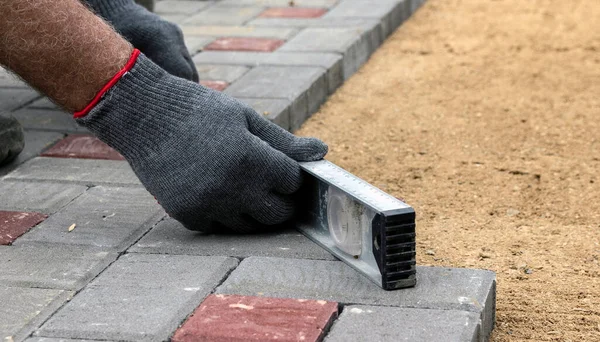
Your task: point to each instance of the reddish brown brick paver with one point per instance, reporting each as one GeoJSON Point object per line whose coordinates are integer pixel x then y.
{"type": "Point", "coordinates": [245, 44]}
{"type": "Point", "coordinates": [293, 12]}
{"type": "Point", "coordinates": [15, 223]}
{"type": "Point", "coordinates": [82, 146]}
{"type": "Point", "coordinates": [216, 85]}
{"type": "Point", "coordinates": [244, 318]}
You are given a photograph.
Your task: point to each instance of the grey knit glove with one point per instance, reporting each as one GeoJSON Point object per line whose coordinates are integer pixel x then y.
{"type": "Point", "coordinates": [159, 39]}
{"type": "Point", "coordinates": [208, 159]}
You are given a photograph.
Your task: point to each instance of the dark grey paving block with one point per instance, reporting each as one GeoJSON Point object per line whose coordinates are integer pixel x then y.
{"type": "Point", "coordinates": [224, 16]}
{"type": "Point", "coordinates": [139, 298]}
{"type": "Point", "coordinates": [332, 62]}
{"type": "Point", "coordinates": [44, 103]}
{"type": "Point", "coordinates": [355, 44]}
{"type": "Point", "coordinates": [279, 3]}
{"type": "Point", "coordinates": [11, 81]}
{"type": "Point", "coordinates": [111, 218]}
{"type": "Point", "coordinates": [56, 267]}
{"type": "Point", "coordinates": [23, 309]}
{"type": "Point", "coordinates": [298, 84]}
{"type": "Point", "coordinates": [324, 60]}
{"type": "Point", "coordinates": [35, 143]}
{"type": "Point", "coordinates": [47, 120]}
{"type": "Point", "coordinates": [180, 7]}
{"type": "Point", "coordinates": [437, 287]}
{"type": "Point", "coordinates": [312, 22]}
{"type": "Point", "coordinates": [46, 198]}
{"type": "Point", "coordinates": [13, 98]}
{"type": "Point", "coordinates": [77, 171]}
{"type": "Point", "coordinates": [276, 110]}
{"type": "Point", "coordinates": [170, 237]}
{"type": "Point", "coordinates": [239, 31]}
{"type": "Point", "coordinates": [216, 72]}
{"type": "Point", "coordinates": [389, 12]}
{"type": "Point", "coordinates": [338, 39]}
{"type": "Point", "coordinates": [175, 18]}
{"type": "Point", "coordinates": [197, 43]}
{"type": "Point", "coordinates": [51, 339]}
{"type": "Point", "coordinates": [377, 323]}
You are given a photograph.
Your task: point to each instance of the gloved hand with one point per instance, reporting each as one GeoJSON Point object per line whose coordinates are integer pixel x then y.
{"type": "Point", "coordinates": [206, 157]}
{"type": "Point", "coordinates": [159, 39]}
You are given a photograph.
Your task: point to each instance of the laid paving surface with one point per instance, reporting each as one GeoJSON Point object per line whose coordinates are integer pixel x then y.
{"type": "Point", "coordinates": [88, 254]}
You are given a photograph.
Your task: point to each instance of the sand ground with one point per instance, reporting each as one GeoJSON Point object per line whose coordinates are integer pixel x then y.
{"type": "Point", "coordinates": [485, 116]}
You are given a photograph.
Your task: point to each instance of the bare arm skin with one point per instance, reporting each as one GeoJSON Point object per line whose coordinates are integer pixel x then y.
{"type": "Point", "coordinates": [60, 48]}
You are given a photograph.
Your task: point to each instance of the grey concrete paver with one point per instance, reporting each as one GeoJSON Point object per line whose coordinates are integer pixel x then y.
{"type": "Point", "coordinates": [276, 110]}
{"type": "Point", "coordinates": [195, 44]}
{"type": "Point", "coordinates": [13, 98]}
{"type": "Point", "coordinates": [239, 31]}
{"type": "Point", "coordinates": [52, 267]}
{"type": "Point", "coordinates": [332, 62]}
{"type": "Point", "coordinates": [7, 80]}
{"type": "Point", "coordinates": [377, 323]}
{"type": "Point", "coordinates": [356, 44]}
{"type": "Point", "coordinates": [224, 16]}
{"type": "Point", "coordinates": [47, 199]}
{"type": "Point", "coordinates": [43, 103]}
{"type": "Point", "coordinates": [437, 287]}
{"type": "Point", "coordinates": [390, 13]}
{"type": "Point", "coordinates": [51, 339]}
{"type": "Point", "coordinates": [35, 143]}
{"type": "Point", "coordinates": [23, 309]}
{"type": "Point", "coordinates": [180, 7]}
{"type": "Point", "coordinates": [331, 22]}
{"type": "Point", "coordinates": [76, 171]}
{"type": "Point", "coordinates": [305, 86]}
{"type": "Point", "coordinates": [217, 72]}
{"type": "Point", "coordinates": [111, 218]}
{"type": "Point", "coordinates": [277, 58]}
{"type": "Point", "coordinates": [176, 18]}
{"type": "Point", "coordinates": [139, 297]}
{"type": "Point", "coordinates": [47, 120]}
{"type": "Point", "coordinates": [279, 3]}
{"type": "Point", "coordinates": [170, 237]}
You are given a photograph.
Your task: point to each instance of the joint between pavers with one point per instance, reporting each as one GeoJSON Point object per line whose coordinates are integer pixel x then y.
{"type": "Point", "coordinates": [332, 322]}
{"type": "Point", "coordinates": [245, 22]}
{"type": "Point", "coordinates": [24, 104]}
{"type": "Point", "coordinates": [219, 283]}
{"type": "Point", "coordinates": [73, 294]}
{"type": "Point", "coordinates": [126, 250]}
{"type": "Point", "coordinates": [127, 243]}
{"type": "Point", "coordinates": [57, 303]}
{"type": "Point", "coordinates": [425, 307]}
{"type": "Point", "coordinates": [87, 188]}
{"type": "Point", "coordinates": [5, 178]}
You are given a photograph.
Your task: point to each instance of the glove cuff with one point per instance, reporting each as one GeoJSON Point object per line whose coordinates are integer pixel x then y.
{"type": "Point", "coordinates": [130, 63]}
{"type": "Point", "coordinates": [109, 8]}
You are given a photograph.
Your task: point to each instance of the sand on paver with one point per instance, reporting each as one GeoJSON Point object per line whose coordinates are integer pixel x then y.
{"type": "Point", "coordinates": [484, 115]}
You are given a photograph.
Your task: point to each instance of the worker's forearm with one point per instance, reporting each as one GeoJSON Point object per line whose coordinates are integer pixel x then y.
{"type": "Point", "coordinates": [60, 48]}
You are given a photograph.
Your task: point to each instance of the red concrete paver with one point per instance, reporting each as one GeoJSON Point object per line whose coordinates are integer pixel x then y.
{"type": "Point", "coordinates": [82, 146]}
{"type": "Point", "coordinates": [293, 12]}
{"type": "Point", "coordinates": [245, 44]}
{"type": "Point", "coordinates": [216, 85]}
{"type": "Point", "coordinates": [245, 318]}
{"type": "Point", "coordinates": [16, 223]}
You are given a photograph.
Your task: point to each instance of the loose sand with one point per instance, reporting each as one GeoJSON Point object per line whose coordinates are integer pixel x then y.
{"type": "Point", "coordinates": [485, 116]}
